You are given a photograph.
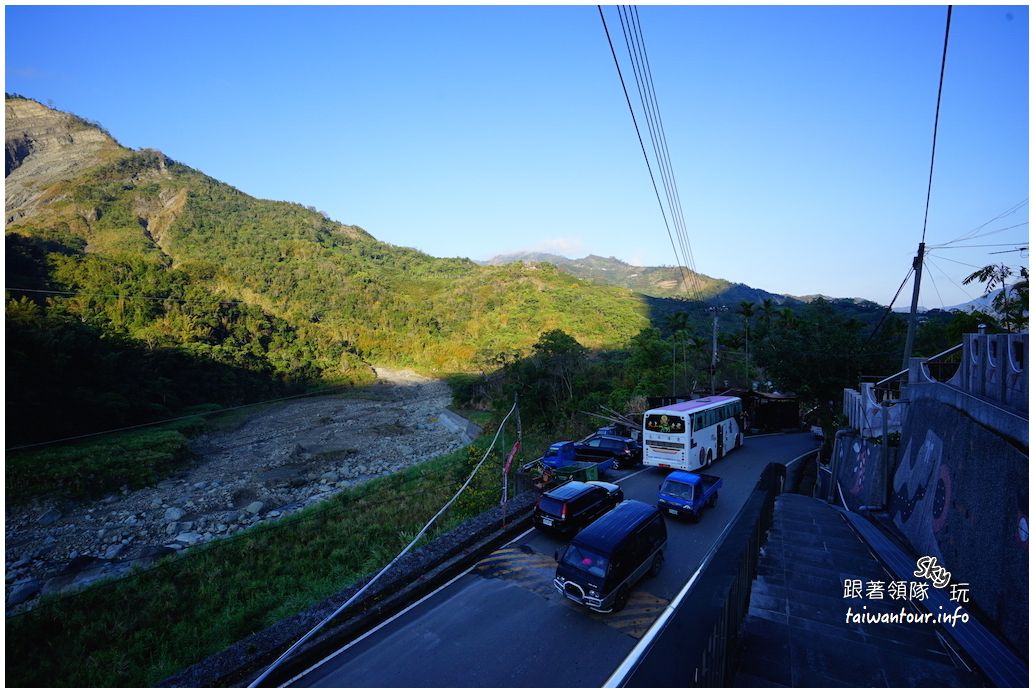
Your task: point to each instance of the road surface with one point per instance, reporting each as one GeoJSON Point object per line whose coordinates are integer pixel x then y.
{"type": "Point", "coordinates": [503, 624]}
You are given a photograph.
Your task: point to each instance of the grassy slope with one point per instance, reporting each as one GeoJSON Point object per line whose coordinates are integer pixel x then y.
{"type": "Point", "coordinates": [139, 630]}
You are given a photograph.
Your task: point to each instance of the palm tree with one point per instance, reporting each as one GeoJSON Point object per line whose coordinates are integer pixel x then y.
{"type": "Point", "coordinates": [746, 309]}
{"type": "Point", "coordinates": [767, 312]}
{"type": "Point", "coordinates": [996, 276]}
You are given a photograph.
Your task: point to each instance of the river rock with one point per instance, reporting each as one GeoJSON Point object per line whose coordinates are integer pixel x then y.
{"type": "Point", "coordinates": [174, 514]}
{"type": "Point", "coordinates": [188, 537]}
{"type": "Point", "coordinates": [48, 518]}
{"type": "Point", "coordinates": [256, 507]}
{"type": "Point", "coordinates": [23, 591]}
{"type": "Point", "coordinates": [114, 551]}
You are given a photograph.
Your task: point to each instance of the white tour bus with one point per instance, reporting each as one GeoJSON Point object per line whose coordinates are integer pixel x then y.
{"type": "Point", "coordinates": [690, 435]}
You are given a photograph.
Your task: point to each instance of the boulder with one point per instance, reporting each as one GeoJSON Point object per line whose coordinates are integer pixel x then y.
{"type": "Point", "coordinates": [23, 591]}
{"type": "Point", "coordinates": [174, 514]}
{"type": "Point", "coordinates": [114, 551]}
{"type": "Point", "coordinates": [256, 507]}
{"type": "Point", "coordinates": [48, 518]}
{"type": "Point", "coordinates": [188, 537]}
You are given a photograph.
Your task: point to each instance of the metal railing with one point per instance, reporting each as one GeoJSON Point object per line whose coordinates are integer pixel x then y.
{"type": "Point", "coordinates": [697, 645]}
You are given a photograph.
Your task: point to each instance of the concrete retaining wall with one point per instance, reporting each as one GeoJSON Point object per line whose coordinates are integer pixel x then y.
{"type": "Point", "coordinates": [960, 493]}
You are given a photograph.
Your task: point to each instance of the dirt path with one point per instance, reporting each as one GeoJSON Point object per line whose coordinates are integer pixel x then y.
{"type": "Point", "coordinates": [275, 463]}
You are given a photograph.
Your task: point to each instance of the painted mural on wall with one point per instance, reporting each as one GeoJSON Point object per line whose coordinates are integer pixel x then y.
{"type": "Point", "coordinates": [859, 461]}
{"type": "Point", "coordinates": [960, 493]}
{"type": "Point", "coordinates": [922, 494]}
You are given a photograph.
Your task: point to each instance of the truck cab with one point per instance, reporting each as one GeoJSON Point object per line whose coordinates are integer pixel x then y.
{"type": "Point", "coordinates": [685, 494]}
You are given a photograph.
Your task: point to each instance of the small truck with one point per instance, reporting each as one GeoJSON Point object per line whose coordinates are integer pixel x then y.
{"type": "Point", "coordinates": [686, 494]}
{"type": "Point", "coordinates": [563, 458]}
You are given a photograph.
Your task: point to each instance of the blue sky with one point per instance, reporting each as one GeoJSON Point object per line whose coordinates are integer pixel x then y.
{"type": "Point", "coordinates": [800, 136]}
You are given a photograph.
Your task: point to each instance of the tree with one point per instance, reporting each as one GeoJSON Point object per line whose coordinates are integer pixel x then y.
{"type": "Point", "coordinates": [1012, 311]}
{"type": "Point", "coordinates": [746, 309]}
{"type": "Point", "coordinates": [560, 355]}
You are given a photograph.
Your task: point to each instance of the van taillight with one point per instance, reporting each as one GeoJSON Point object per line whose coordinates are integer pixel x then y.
{"type": "Point", "coordinates": [563, 511]}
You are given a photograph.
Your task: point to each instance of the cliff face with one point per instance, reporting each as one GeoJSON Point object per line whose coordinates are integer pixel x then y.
{"type": "Point", "coordinates": [44, 147]}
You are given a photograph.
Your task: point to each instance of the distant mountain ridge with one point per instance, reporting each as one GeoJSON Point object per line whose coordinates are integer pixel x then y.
{"type": "Point", "coordinates": [85, 214]}
{"type": "Point", "coordinates": [660, 282]}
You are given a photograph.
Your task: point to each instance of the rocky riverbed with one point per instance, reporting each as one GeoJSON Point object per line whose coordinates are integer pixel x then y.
{"type": "Point", "coordinates": [273, 464]}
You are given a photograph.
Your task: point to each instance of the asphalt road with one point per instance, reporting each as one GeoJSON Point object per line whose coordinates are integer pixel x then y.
{"type": "Point", "coordinates": [503, 625]}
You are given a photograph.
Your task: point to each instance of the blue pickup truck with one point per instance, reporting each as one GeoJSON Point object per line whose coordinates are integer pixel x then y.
{"type": "Point", "coordinates": [686, 494]}
{"type": "Point", "coordinates": [564, 455]}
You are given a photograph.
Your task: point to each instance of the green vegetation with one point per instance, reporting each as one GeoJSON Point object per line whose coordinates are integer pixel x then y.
{"type": "Point", "coordinates": [92, 469]}
{"type": "Point", "coordinates": [151, 288]}
{"type": "Point", "coordinates": [139, 630]}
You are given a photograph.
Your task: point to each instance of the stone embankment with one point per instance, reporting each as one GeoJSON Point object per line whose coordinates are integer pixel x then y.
{"type": "Point", "coordinates": [275, 463]}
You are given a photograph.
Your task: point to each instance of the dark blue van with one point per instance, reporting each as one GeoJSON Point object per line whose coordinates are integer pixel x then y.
{"type": "Point", "coordinates": [605, 560]}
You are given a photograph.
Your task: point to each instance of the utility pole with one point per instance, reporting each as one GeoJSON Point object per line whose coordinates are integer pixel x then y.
{"type": "Point", "coordinates": [673, 365]}
{"type": "Point", "coordinates": [714, 342]}
{"type": "Point", "coordinates": [917, 265]}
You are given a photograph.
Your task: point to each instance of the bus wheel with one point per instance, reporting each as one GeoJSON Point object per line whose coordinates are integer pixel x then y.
{"type": "Point", "coordinates": [739, 439]}
{"type": "Point", "coordinates": [709, 460]}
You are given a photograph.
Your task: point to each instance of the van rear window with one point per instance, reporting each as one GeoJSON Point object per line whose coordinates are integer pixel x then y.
{"type": "Point", "coordinates": [550, 506]}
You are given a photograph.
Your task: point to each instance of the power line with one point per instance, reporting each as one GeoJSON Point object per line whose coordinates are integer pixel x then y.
{"type": "Point", "coordinates": [936, 119]}
{"type": "Point", "coordinates": [641, 145]}
{"type": "Point", "coordinates": [635, 44]}
{"type": "Point", "coordinates": [945, 274]}
{"type": "Point", "coordinates": [219, 302]}
{"type": "Point", "coordinates": [174, 419]}
{"type": "Point", "coordinates": [890, 306]}
{"type": "Point", "coordinates": [1008, 212]}
{"type": "Point", "coordinates": [984, 245]}
{"type": "Point", "coordinates": [936, 289]}
{"type": "Point", "coordinates": [385, 569]}
{"type": "Point", "coordinates": [964, 264]}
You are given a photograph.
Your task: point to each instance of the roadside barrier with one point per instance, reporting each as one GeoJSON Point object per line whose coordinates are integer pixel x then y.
{"type": "Point", "coordinates": [695, 642]}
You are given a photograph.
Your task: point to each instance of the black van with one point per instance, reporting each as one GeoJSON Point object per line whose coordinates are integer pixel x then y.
{"type": "Point", "coordinates": [606, 559]}
{"type": "Point", "coordinates": [571, 506]}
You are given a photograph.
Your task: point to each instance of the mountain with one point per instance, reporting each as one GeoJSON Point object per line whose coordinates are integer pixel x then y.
{"type": "Point", "coordinates": [660, 282]}
{"type": "Point", "coordinates": [144, 255]}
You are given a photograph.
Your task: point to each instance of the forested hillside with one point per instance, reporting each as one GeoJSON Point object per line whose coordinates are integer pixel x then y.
{"type": "Point", "coordinates": [661, 282]}
{"type": "Point", "coordinates": [149, 262]}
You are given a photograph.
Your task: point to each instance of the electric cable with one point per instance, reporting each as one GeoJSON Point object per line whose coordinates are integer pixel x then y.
{"type": "Point", "coordinates": [642, 146]}
{"type": "Point", "coordinates": [890, 307]}
{"type": "Point", "coordinates": [936, 120]}
{"type": "Point", "coordinates": [938, 291]}
{"type": "Point", "coordinates": [319, 626]}
{"type": "Point", "coordinates": [651, 107]}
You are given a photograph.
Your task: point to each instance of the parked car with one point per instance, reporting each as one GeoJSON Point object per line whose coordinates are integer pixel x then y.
{"type": "Point", "coordinates": [685, 493]}
{"type": "Point", "coordinates": [625, 451]}
{"type": "Point", "coordinates": [605, 560]}
{"type": "Point", "coordinates": [571, 506]}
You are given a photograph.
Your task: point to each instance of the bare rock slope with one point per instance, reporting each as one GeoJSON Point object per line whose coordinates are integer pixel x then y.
{"type": "Point", "coordinates": [44, 147]}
